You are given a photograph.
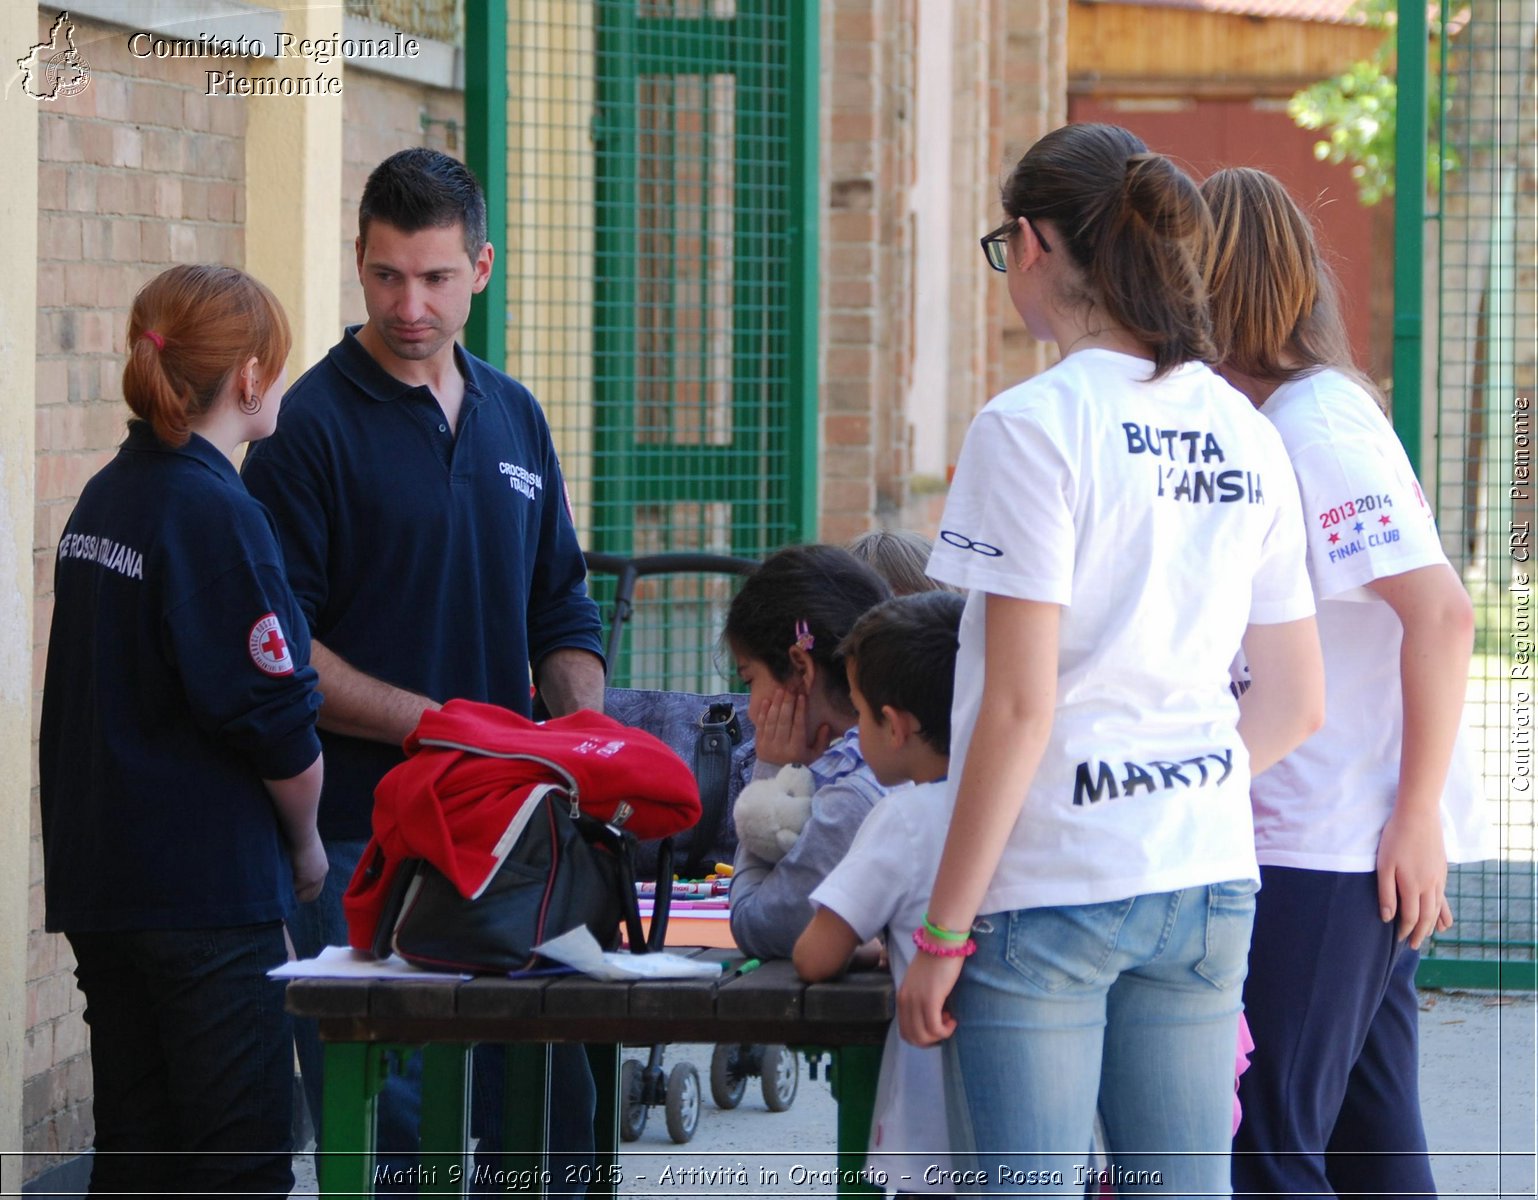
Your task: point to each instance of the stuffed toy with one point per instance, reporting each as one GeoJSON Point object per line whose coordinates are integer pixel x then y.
{"type": "Point", "coordinates": [771, 812]}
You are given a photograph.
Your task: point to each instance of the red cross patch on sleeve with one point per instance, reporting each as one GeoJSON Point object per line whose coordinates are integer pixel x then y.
{"type": "Point", "coordinates": [269, 648]}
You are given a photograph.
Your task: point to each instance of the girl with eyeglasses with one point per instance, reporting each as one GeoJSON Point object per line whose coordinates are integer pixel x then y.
{"type": "Point", "coordinates": [1355, 828]}
{"type": "Point", "coordinates": [1122, 522]}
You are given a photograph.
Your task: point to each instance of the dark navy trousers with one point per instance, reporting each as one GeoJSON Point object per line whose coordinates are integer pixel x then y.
{"type": "Point", "coordinates": [191, 1053]}
{"type": "Point", "coordinates": [1332, 1097]}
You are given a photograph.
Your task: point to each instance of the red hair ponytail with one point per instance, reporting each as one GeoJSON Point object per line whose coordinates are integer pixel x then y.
{"type": "Point", "coordinates": [188, 329]}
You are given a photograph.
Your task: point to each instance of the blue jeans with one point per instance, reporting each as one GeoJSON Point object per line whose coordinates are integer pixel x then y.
{"type": "Point", "coordinates": [573, 1096]}
{"type": "Point", "coordinates": [1131, 1005]}
{"type": "Point", "coordinates": [191, 1053]}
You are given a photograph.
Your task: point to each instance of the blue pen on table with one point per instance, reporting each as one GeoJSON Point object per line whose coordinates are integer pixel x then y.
{"type": "Point", "coordinates": [534, 972]}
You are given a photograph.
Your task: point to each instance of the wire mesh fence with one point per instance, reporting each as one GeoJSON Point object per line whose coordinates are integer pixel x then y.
{"type": "Point", "coordinates": [657, 241]}
{"type": "Point", "coordinates": [1477, 455]}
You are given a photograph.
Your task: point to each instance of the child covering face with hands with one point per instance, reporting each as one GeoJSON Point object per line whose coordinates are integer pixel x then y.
{"type": "Point", "coordinates": [783, 631]}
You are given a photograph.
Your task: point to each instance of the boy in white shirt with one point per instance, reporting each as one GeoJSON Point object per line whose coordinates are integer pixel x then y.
{"type": "Point", "coordinates": [901, 660]}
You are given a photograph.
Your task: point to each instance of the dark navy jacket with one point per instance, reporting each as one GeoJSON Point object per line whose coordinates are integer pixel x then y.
{"type": "Point", "coordinates": [177, 681]}
{"type": "Point", "coordinates": [444, 563]}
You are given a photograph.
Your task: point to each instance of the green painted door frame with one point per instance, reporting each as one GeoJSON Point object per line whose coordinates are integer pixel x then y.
{"type": "Point", "coordinates": [486, 155]}
{"type": "Point", "coordinates": [767, 470]}
{"type": "Point", "coordinates": [1409, 225]}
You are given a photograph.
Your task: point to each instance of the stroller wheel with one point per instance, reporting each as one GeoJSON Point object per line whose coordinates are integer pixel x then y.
{"type": "Point", "coordinates": [683, 1103]}
{"type": "Point", "coordinates": [728, 1080]}
{"type": "Point", "coordinates": [632, 1104]}
{"type": "Point", "coordinates": [781, 1076]}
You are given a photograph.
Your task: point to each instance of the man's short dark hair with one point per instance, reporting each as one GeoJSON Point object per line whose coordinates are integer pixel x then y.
{"type": "Point", "coordinates": [421, 189]}
{"type": "Point", "coordinates": [904, 655]}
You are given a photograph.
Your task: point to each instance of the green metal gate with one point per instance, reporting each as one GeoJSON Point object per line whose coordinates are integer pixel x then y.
{"type": "Point", "coordinates": [661, 274]}
{"type": "Point", "coordinates": [1470, 353]}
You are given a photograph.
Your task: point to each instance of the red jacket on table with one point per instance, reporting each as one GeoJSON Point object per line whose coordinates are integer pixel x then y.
{"type": "Point", "coordinates": [462, 796]}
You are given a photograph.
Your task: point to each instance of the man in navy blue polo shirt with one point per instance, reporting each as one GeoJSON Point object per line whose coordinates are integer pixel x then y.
{"type": "Point", "coordinates": [428, 540]}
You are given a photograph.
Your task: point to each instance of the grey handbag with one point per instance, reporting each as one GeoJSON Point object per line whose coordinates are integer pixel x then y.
{"type": "Point", "coordinates": [713, 735]}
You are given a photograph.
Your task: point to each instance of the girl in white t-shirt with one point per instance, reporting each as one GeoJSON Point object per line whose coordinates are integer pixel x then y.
{"type": "Point", "coordinates": [1123, 521]}
{"type": "Point", "coordinates": [1355, 828]}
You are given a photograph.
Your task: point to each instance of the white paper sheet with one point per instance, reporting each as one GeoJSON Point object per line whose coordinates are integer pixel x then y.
{"type": "Point", "coordinates": [343, 962]}
{"type": "Point", "coordinates": [580, 949]}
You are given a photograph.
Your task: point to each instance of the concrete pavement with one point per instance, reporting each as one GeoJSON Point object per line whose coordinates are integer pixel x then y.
{"type": "Point", "coordinates": [1477, 1090]}
{"type": "Point", "coordinates": [1478, 1085]}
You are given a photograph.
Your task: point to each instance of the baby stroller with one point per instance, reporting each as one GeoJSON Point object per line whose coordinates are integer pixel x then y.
{"type": "Point", "coordinates": [712, 733]}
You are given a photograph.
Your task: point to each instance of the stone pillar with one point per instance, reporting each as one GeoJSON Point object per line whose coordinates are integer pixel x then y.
{"type": "Point", "coordinates": [932, 101]}
{"type": "Point", "coordinates": [1030, 79]}
{"type": "Point", "coordinates": [867, 261]}
{"type": "Point", "coordinates": [294, 192]}
{"type": "Point", "coordinates": [18, 337]}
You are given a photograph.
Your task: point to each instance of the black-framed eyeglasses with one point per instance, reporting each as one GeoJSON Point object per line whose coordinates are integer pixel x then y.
{"type": "Point", "coordinates": [995, 245]}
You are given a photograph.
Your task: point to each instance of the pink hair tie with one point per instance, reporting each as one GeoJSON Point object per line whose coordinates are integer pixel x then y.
{"type": "Point", "coordinates": [160, 342]}
{"type": "Point", "coordinates": [928, 945]}
{"type": "Point", "coordinates": [804, 637]}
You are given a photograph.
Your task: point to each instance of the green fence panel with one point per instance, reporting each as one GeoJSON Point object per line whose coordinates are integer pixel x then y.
{"type": "Point", "coordinates": [1474, 439]}
{"type": "Point", "coordinates": [662, 286]}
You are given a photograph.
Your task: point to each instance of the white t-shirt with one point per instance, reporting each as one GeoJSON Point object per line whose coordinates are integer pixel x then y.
{"type": "Point", "coordinates": [1164, 518]}
{"type": "Point", "coordinates": [884, 882]}
{"type": "Point", "coordinates": [1324, 806]}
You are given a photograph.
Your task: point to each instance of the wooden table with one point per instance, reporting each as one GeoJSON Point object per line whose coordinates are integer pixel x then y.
{"type": "Point", "coordinates": [361, 1021]}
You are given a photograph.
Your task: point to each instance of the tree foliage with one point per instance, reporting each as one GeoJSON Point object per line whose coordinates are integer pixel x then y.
{"type": "Point", "coordinates": [1357, 112]}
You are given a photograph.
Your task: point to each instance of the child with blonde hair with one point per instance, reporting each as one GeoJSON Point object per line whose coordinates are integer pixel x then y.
{"type": "Point", "coordinates": [899, 556]}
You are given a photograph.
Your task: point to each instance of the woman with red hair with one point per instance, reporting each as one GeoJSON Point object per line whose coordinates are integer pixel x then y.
{"type": "Point", "coordinates": [179, 764]}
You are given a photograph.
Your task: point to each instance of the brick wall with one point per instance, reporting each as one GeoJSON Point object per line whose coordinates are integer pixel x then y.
{"type": "Point", "coordinates": [1009, 84]}
{"type": "Point", "coordinates": [867, 261]}
{"type": "Point", "coordinates": [138, 172]}
{"type": "Point", "coordinates": [382, 115]}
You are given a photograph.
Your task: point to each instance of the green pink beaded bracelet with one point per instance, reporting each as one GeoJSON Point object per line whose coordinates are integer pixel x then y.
{"type": "Point", "coordinates": [944, 935]}
{"type": "Point", "coordinates": [928, 945]}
